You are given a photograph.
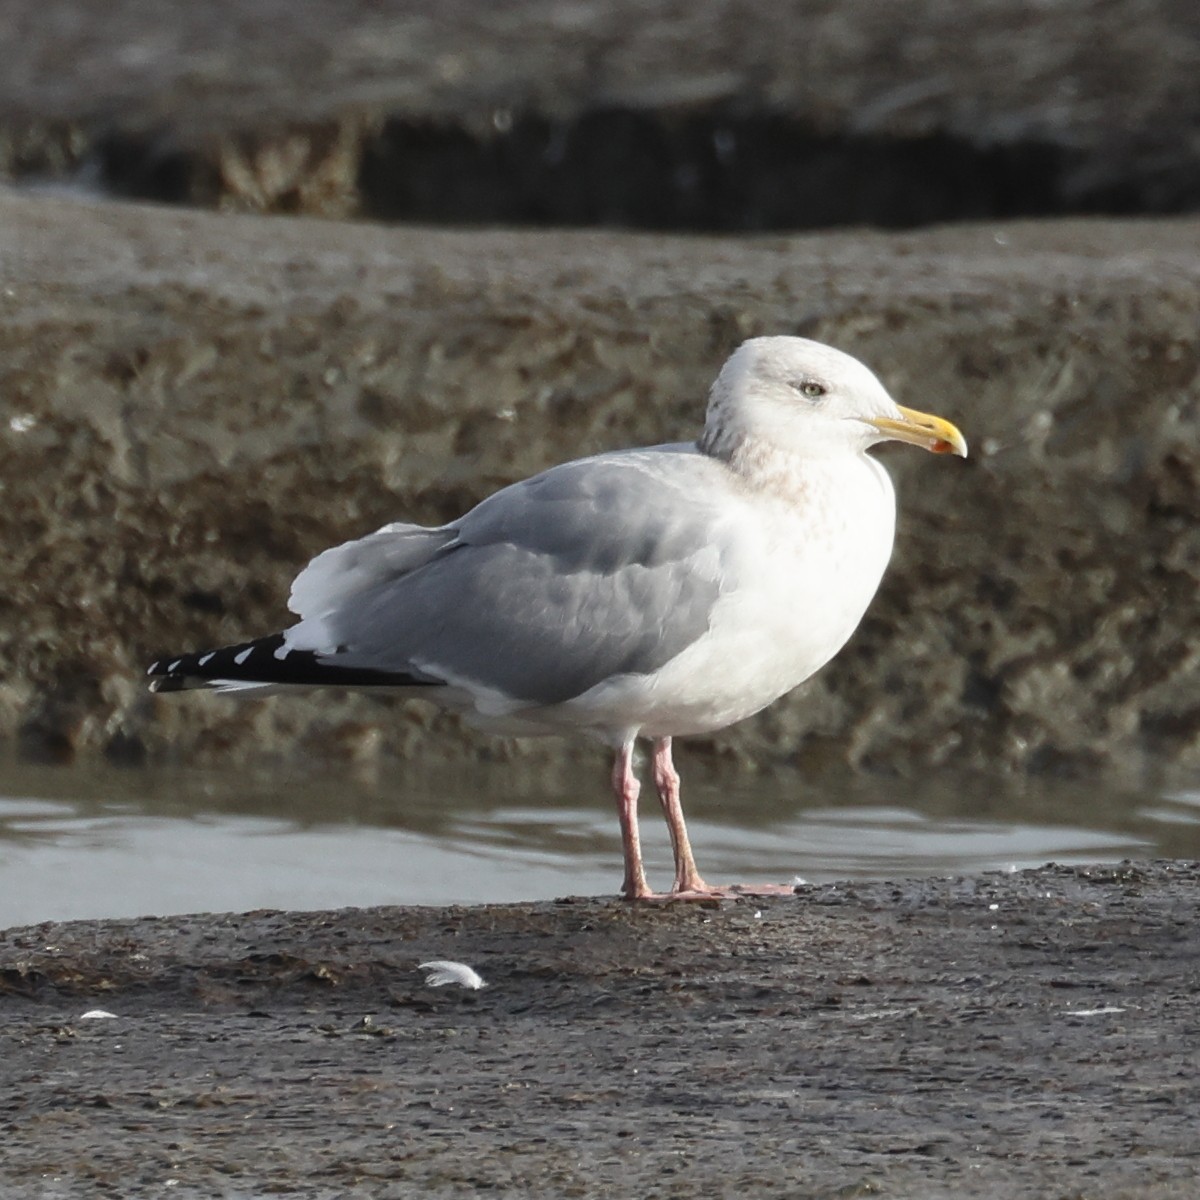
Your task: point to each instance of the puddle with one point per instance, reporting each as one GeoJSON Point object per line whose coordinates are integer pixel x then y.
{"type": "Point", "coordinates": [105, 842]}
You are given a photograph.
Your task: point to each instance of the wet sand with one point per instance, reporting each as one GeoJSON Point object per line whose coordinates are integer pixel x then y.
{"type": "Point", "coordinates": [1012, 1035]}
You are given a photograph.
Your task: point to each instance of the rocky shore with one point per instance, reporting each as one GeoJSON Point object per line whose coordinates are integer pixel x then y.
{"type": "Point", "coordinates": [1028, 1035]}
{"type": "Point", "coordinates": [196, 402]}
{"type": "Point", "coordinates": [666, 115]}
{"type": "Point", "coordinates": [199, 403]}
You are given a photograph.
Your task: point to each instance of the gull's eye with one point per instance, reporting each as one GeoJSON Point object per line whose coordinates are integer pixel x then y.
{"type": "Point", "coordinates": [810, 389]}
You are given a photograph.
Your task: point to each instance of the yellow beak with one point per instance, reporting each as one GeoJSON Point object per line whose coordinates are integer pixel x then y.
{"type": "Point", "coordinates": [920, 429]}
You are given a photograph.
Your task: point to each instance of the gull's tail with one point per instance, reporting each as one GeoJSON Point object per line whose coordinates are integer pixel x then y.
{"type": "Point", "coordinates": [265, 665]}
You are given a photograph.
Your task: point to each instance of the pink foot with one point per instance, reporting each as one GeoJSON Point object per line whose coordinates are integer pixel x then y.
{"type": "Point", "coordinates": [710, 897]}
{"type": "Point", "coordinates": [700, 891]}
{"type": "Point", "coordinates": [692, 888]}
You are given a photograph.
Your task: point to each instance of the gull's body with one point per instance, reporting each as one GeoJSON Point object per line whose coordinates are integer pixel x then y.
{"type": "Point", "coordinates": [652, 593]}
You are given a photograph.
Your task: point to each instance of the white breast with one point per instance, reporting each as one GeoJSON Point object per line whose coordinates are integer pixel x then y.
{"type": "Point", "coordinates": [809, 565]}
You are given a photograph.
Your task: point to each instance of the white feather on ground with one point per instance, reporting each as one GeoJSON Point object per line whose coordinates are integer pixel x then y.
{"type": "Point", "coordinates": [441, 972]}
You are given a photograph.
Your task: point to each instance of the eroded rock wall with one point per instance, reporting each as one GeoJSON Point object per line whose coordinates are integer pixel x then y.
{"type": "Point", "coordinates": [195, 404]}
{"type": "Point", "coordinates": [722, 115]}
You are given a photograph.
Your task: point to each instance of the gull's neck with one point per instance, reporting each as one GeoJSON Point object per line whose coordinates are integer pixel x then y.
{"type": "Point", "coordinates": [758, 463]}
{"type": "Point", "coordinates": [718, 441]}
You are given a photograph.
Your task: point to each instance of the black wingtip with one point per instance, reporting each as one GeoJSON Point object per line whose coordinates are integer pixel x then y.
{"type": "Point", "coordinates": [249, 662]}
{"type": "Point", "coordinates": [268, 660]}
{"type": "Point", "coordinates": [169, 683]}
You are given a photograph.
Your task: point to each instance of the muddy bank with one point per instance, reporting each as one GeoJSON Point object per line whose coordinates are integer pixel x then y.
{"type": "Point", "coordinates": [197, 404]}
{"type": "Point", "coordinates": [1008, 1036]}
{"type": "Point", "coordinates": [723, 115]}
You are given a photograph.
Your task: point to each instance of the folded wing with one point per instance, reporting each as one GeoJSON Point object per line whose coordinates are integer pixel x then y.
{"type": "Point", "coordinates": [593, 569]}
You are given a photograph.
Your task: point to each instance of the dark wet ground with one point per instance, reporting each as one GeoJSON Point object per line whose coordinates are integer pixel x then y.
{"type": "Point", "coordinates": [1012, 1035]}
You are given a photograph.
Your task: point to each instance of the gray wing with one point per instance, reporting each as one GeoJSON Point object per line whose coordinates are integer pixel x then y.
{"type": "Point", "coordinates": [339, 574]}
{"type": "Point", "coordinates": [597, 568]}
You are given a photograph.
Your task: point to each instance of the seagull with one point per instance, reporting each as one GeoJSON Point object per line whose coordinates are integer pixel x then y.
{"type": "Point", "coordinates": [653, 593]}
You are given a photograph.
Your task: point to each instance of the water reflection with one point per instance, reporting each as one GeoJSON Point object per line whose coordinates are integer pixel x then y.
{"type": "Point", "coordinates": [107, 842]}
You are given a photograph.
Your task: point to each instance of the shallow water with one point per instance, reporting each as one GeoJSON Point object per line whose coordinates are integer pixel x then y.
{"type": "Point", "coordinates": [105, 842]}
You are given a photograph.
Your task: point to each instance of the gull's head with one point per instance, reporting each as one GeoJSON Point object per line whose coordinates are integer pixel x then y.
{"type": "Point", "coordinates": [809, 399]}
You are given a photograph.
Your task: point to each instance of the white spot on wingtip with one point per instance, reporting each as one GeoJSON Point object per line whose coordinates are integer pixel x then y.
{"type": "Point", "coordinates": [440, 972]}
{"type": "Point", "coordinates": [205, 659]}
{"type": "Point", "coordinates": [174, 666]}
{"type": "Point", "coordinates": [281, 652]}
{"type": "Point", "coordinates": [243, 655]}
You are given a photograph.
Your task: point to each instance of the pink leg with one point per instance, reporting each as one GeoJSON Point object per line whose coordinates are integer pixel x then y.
{"type": "Point", "coordinates": [626, 789]}
{"type": "Point", "coordinates": [688, 885]}
{"type": "Point", "coordinates": [666, 783]}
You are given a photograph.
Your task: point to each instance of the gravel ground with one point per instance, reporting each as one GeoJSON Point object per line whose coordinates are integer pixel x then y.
{"type": "Point", "coordinates": [1007, 1036]}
